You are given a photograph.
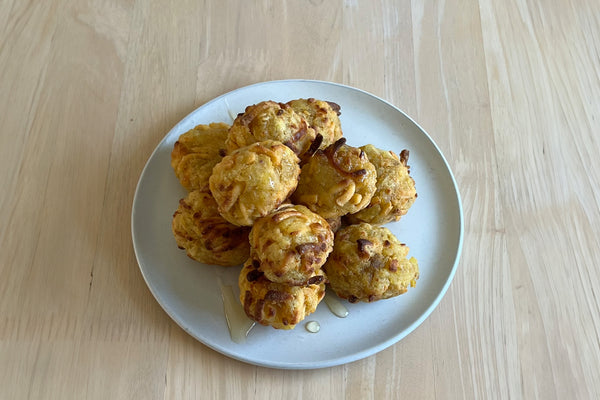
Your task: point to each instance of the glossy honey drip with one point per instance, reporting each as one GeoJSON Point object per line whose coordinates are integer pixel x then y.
{"type": "Point", "coordinates": [335, 306]}
{"type": "Point", "coordinates": [238, 323]}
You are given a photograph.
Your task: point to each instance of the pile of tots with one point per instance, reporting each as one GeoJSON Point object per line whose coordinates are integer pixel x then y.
{"type": "Point", "coordinates": [281, 192]}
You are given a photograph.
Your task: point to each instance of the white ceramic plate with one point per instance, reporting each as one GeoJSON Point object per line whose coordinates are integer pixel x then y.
{"type": "Point", "coordinates": [189, 292]}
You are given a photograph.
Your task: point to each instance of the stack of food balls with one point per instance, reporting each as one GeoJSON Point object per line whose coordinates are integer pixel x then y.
{"type": "Point", "coordinates": [281, 192]}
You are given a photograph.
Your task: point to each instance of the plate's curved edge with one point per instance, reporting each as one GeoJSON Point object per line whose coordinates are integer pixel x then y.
{"type": "Point", "coordinates": [332, 362]}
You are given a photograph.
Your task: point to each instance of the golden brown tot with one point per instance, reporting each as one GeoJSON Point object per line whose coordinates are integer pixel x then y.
{"type": "Point", "coordinates": [252, 181]}
{"type": "Point", "coordinates": [336, 181]}
{"type": "Point", "coordinates": [368, 263]}
{"type": "Point", "coordinates": [205, 235]}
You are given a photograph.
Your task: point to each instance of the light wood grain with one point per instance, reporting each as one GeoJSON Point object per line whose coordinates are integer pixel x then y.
{"type": "Point", "coordinates": [510, 91]}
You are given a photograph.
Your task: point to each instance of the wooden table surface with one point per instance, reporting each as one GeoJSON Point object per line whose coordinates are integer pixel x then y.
{"type": "Point", "coordinates": [509, 90]}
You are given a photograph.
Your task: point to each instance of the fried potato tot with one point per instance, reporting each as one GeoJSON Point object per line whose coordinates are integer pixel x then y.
{"type": "Point", "coordinates": [395, 189]}
{"type": "Point", "coordinates": [368, 263]}
{"type": "Point", "coordinates": [196, 152]}
{"type": "Point", "coordinates": [291, 244]}
{"type": "Point", "coordinates": [205, 235]}
{"type": "Point", "coordinates": [336, 181]}
{"type": "Point", "coordinates": [276, 304]}
{"type": "Point", "coordinates": [254, 180]}
{"type": "Point", "coordinates": [322, 116]}
{"type": "Point", "coordinates": [269, 120]}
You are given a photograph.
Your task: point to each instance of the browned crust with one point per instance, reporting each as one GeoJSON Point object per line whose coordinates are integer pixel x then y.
{"type": "Point", "coordinates": [330, 153]}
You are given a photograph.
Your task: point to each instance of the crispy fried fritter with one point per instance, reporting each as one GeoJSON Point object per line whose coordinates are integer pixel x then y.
{"type": "Point", "coordinates": [196, 152]}
{"type": "Point", "coordinates": [395, 192]}
{"type": "Point", "coordinates": [322, 116]}
{"type": "Point", "coordinates": [291, 243]}
{"type": "Point", "coordinates": [205, 235]}
{"type": "Point", "coordinates": [368, 263]}
{"type": "Point", "coordinates": [336, 181]}
{"type": "Point", "coordinates": [276, 304]}
{"type": "Point", "coordinates": [269, 120]}
{"type": "Point", "coordinates": [254, 180]}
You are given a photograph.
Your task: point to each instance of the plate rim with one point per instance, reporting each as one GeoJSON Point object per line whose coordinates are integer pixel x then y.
{"type": "Point", "coordinates": [355, 356]}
